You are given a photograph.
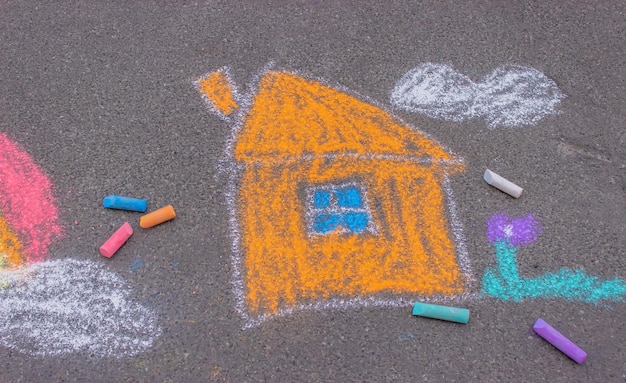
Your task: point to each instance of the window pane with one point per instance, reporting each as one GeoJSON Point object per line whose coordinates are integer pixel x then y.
{"type": "Point", "coordinates": [349, 196]}
{"type": "Point", "coordinates": [356, 222]}
{"type": "Point", "coordinates": [325, 223]}
{"type": "Point", "coordinates": [321, 199]}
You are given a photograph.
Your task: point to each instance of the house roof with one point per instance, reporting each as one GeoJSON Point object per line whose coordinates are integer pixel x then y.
{"type": "Point", "coordinates": [291, 116]}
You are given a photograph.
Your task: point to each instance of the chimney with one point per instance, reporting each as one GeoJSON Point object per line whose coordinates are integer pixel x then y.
{"type": "Point", "coordinates": [217, 90]}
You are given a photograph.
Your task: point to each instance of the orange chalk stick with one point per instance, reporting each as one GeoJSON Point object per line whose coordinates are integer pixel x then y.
{"type": "Point", "coordinates": [158, 216]}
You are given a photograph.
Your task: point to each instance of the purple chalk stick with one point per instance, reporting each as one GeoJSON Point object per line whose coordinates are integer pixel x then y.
{"type": "Point", "coordinates": [555, 338]}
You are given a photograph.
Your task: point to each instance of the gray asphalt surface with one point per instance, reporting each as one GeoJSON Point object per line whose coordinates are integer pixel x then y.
{"type": "Point", "coordinates": [100, 95]}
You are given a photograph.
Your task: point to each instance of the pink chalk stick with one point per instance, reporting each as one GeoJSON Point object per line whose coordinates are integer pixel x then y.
{"type": "Point", "coordinates": [116, 241]}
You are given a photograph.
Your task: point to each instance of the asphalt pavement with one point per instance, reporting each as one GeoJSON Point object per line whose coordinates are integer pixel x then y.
{"type": "Point", "coordinates": [101, 96]}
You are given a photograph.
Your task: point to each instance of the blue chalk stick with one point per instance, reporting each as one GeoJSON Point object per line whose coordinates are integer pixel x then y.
{"type": "Point", "coordinates": [452, 314]}
{"type": "Point", "coordinates": [125, 203]}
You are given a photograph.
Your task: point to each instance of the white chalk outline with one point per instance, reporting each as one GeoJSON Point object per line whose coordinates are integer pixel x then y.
{"type": "Point", "coordinates": [234, 170]}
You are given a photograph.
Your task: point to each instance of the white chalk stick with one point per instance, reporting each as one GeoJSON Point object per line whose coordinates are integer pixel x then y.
{"type": "Point", "coordinates": [503, 184]}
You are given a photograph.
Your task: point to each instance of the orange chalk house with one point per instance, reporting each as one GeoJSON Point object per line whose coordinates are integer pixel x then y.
{"type": "Point", "coordinates": [336, 200]}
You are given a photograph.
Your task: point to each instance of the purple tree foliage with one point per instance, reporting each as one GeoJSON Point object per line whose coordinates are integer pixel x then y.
{"type": "Point", "coordinates": [518, 232]}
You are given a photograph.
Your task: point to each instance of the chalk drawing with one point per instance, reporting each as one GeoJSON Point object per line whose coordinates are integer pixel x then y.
{"type": "Point", "coordinates": [60, 306]}
{"type": "Point", "coordinates": [333, 202]}
{"type": "Point", "coordinates": [338, 207]}
{"type": "Point", "coordinates": [29, 220]}
{"type": "Point", "coordinates": [136, 264]}
{"type": "Point", "coordinates": [505, 282]}
{"type": "Point", "coordinates": [72, 305]}
{"type": "Point", "coordinates": [510, 96]}
{"type": "Point", "coordinates": [406, 336]}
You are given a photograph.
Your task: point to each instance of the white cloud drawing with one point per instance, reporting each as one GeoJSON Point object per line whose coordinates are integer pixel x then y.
{"type": "Point", "coordinates": [68, 305]}
{"type": "Point", "coordinates": [510, 96]}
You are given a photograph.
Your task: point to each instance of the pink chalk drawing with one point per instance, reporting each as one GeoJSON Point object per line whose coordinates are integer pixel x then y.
{"type": "Point", "coordinates": [26, 201]}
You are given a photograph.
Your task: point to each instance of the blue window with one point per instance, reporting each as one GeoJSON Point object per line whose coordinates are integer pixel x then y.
{"type": "Point", "coordinates": [349, 197]}
{"type": "Point", "coordinates": [325, 223]}
{"type": "Point", "coordinates": [338, 207]}
{"type": "Point", "coordinates": [322, 199]}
